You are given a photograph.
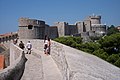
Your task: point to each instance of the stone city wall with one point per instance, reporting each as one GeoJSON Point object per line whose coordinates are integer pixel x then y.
{"type": "Point", "coordinates": [16, 69]}
{"type": "Point", "coordinates": [53, 31]}
{"type": "Point", "coordinates": [5, 38]}
{"type": "Point", "coordinates": [57, 53]}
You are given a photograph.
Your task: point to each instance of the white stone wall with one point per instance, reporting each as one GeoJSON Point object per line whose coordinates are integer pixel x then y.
{"type": "Point", "coordinates": [80, 27]}
{"type": "Point", "coordinates": [58, 54]}
{"type": "Point", "coordinates": [87, 24]}
{"type": "Point", "coordinates": [77, 65]}
{"type": "Point", "coordinates": [16, 69]}
{"type": "Point", "coordinates": [31, 28]}
{"type": "Point", "coordinates": [61, 28]}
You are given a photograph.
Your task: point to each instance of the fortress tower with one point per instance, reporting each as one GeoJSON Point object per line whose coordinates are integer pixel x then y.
{"type": "Point", "coordinates": [97, 27]}
{"type": "Point", "coordinates": [31, 28]}
{"type": "Point", "coordinates": [95, 19]}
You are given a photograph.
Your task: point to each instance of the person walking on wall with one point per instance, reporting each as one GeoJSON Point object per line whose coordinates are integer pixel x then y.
{"type": "Point", "coordinates": [45, 44]}
{"type": "Point", "coordinates": [21, 45]}
{"type": "Point", "coordinates": [29, 47]}
{"type": "Point", "coordinates": [15, 41]}
{"type": "Point", "coordinates": [48, 46]}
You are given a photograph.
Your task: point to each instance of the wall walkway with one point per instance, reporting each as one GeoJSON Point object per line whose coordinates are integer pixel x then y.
{"type": "Point", "coordinates": [70, 64]}
{"type": "Point", "coordinates": [64, 63]}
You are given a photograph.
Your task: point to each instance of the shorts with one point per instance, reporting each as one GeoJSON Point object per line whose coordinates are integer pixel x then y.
{"type": "Point", "coordinates": [45, 46]}
{"type": "Point", "coordinates": [29, 48]}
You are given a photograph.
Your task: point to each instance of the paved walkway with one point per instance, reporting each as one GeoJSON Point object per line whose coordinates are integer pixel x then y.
{"type": "Point", "coordinates": [33, 68]}
{"type": "Point", "coordinates": [40, 67]}
{"type": "Point", "coordinates": [50, 69]}
{"type": "Point", "coordinates": [78, 65]}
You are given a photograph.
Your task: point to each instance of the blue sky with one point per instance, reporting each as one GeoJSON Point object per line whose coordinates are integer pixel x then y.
{"type": "Point", "coordinates": [52, 11]}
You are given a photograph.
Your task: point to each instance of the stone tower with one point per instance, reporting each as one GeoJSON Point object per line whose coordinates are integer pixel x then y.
{"type": "Point", "coordinates": [95, 19]}
{"type": "Point", "coordinates": [63, 28]}
{"type": "Point", "coordinates": [31, 28]}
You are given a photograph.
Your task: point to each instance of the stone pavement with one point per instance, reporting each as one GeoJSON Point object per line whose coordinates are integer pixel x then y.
{"type": "Point", "coordinates": [33, 68]}
{"type": "Point", "coordinates": [40, 67]}
{"type": "Point", "coordinates": [50, 69]}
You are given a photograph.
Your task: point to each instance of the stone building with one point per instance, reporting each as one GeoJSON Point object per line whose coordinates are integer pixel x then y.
{"type": "Point", "coordinates": [37, 29]}
{"type": "Point", "coordinates": [31, 28]}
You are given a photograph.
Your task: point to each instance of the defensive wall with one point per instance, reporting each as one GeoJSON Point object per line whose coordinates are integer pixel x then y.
{"type": "Point", "coordinates": [58, 55]}
{"type": "Point", "coordinates": [5, 38]}
{"type": "Point", "coordinates": [17, 64]}
{"type": "Point", "coordinates": [31, 28]}
{"type": "Point", "coordinates": [73, 64]}
{"type": "Point", "coordinates": [37, 29]}
{"type": "Point", "coordinates": [77, 65]}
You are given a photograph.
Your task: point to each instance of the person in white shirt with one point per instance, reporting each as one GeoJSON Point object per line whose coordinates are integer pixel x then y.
{"type": "Point", "coordinates": [48, 46]}
{"type": "Point", "coordinates": [29, 47]}
{"type": "Point", "coordinates": [45, 44]}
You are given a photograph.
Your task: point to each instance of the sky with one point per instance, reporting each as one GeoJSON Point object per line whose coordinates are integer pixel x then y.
{"type": "Point", "coordinates": [52, 11]}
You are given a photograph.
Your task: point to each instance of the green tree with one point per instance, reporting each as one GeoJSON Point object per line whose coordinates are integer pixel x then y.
{"type": "Point", "coordinates": [113, 58]}
{"type": "Point", "coordinates": [89, 47]}
{"type": "Point", "coordinates": [111, 44]}
{"type": "Point", "coordinates": [117, 63]}
{"type": "Point", "coordinates": [101, 53]}
{"type": "Point", "coordinates": [69, 40]}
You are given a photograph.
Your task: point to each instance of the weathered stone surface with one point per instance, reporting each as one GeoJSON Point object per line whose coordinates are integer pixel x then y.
{"type": "Point", "coordinates": [50, 69]}
{"type": "Point", "coordinates": [33, 69]}
{"type": "Point", "coordinates": [79, 65]}
{"type": "Point", "coordinates": [72, 64]}
{"type": "Point", "coordinates": [15, 70]}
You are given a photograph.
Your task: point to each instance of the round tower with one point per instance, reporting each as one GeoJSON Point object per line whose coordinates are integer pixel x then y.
{"type": "Point", "coordinates": [95, 19]}
{"type": "Point", "coordinates": [31, 28]}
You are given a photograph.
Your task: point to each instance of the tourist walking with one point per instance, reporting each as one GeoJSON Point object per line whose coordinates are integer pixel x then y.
{"type": "Point", "coordinates": [29, 47]}
{"type": "Point", "coordinates": [45, 44]}
{"type": "Point", "coordinates": [48, 46]}
{"type": "Point", "coordinates": [15, 41]}
{"type": "Point", "coordinates": [21, 45]}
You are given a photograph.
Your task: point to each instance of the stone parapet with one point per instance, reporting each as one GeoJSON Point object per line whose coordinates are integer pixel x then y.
{"type": "Point", "coordinates": [58, 55]}
{"type": "Point", "coordinates": [16, 69]}
{"type": "Point", "coordinates": [26, 21]}
{"type": "Point", "coordinates": [77, 65]}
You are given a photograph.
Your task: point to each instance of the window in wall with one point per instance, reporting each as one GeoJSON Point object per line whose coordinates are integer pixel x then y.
{"type": "Point", "coordinates": [30, 26]}
{"type": "Point", "coordinates": [84, 27]}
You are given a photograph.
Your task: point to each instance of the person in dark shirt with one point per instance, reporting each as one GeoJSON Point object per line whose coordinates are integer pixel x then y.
{"type": "Point", "coordinates": [21, 45]}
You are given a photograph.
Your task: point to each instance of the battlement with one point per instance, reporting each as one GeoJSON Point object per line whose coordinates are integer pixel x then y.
{"type": "Point", "coordinates": [27, 21]}
{"type": "Point", "coordinates": [95, 17]}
